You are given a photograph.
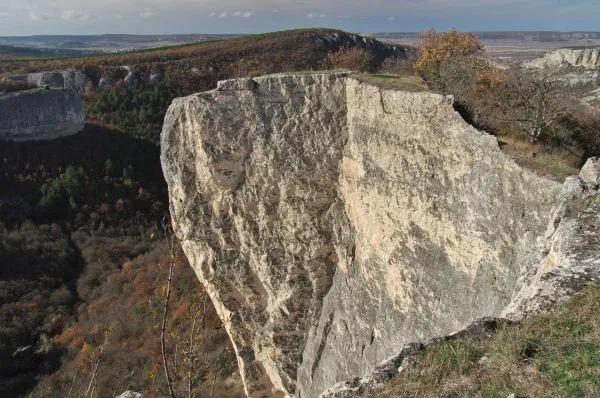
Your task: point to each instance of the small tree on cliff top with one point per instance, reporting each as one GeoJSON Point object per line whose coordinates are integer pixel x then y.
{"type": "Point", "coordinates": [436, 49]}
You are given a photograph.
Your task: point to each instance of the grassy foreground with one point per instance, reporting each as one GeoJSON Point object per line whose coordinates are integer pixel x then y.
{"type": "Point", "coordinates": [555, 355]}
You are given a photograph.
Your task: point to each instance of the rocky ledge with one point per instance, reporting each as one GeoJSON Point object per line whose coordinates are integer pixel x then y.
{"type": "Point", "coordinates": [68, 78]}
{"type": "Point", "coordinates": [334, 222]}
{"type": "Point", "coordinates": [40, 114]}
{"type": "Point", "coordinates": [584, 57]}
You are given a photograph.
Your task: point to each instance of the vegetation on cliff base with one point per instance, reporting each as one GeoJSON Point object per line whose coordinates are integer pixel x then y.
{"type": "Point", "coordinates": [139, 111]}
{"type": "Point", "coordinates": [554, 355]}
{"type": "Point", "coordinates": [118, 318]}
{"type": "Point", "coordinates": [85, 284]}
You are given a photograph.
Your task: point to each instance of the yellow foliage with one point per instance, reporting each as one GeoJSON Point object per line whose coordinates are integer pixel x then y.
{"type": "Point", "coordinates": [435, 48]}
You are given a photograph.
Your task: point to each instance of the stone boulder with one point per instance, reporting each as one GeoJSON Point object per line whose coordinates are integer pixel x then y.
{"type": "Point", "coordinates": [40, 114]}
{"type": "Point", "coordinates": [334, 222]}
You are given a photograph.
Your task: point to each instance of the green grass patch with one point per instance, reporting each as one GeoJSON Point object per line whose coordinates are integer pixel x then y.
{"type": "Point", "coordinates": [555, 355]}
{"type": "Point", "coordinates": [552, 162]}
{"type": "Point", "coordinates": [555, 165]}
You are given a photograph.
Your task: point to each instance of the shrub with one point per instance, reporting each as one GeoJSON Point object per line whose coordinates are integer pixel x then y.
{"type": "Point", "coordinates": [584, 122]}
{"type": "Point", "coordinates": [398, 66]}
{"type": "Point", "coordinates": [65, 191]}
{"type": "Point", "coordinates": [356, 59]}
{"type": "Point", "coordinates": [437, 48]}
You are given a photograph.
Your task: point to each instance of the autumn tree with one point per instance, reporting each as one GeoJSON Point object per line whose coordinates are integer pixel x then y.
{"type": "Point", "coordinates": [194, 363]}
{"type": "Point", "coordinates": [448, 57]}
{"type": "Point", "coordinates": [537, 102]}
{"type": "Point", "coordinates": [356, 59]}
{"type": "Point", "coordinates": [454, 63]}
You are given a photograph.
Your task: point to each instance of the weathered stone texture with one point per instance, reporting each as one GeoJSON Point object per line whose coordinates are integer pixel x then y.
{"type": "Point", "coordinates": [40, 115]}
{"type": "Point", "coordinates": [333, 222]}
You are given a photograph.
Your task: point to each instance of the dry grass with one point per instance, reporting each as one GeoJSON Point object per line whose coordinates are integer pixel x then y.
{"type": "Point", "coordinates": [409, 83]}
{"type": "Point", "coordinates": [556, 355]}
{"type": "Point", "coordinates": [554, 163]}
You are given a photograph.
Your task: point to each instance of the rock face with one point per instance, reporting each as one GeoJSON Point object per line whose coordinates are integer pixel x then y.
{"type": "Point", "coordinates": [40, 115]}
{"type": "Point", "coordinates": [585, 57]}
{"type": "Point", "coordinates": [333, 222]}
{"type": "Point", "coordinates": [69, 78]}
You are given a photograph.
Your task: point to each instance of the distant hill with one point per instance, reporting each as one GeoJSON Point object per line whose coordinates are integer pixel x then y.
{"type": "Point", "coordinates": [217, 59]}
{"type": "Point", "coordinates": [107, 42]}
{"type": "Point", "coordinates": [155, 76]}
{"type": "Point", "coordinates": [15, 52]}
{"type": "Point", "coordinates": [541, 36]}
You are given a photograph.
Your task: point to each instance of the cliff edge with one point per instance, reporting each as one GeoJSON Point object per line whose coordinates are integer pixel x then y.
{"type": "Point", "coordinates": [40, 114]}
{"type": "Point", "coordinates": [332, 222]}
{"type": "Point", "coordinates": [68, 78]}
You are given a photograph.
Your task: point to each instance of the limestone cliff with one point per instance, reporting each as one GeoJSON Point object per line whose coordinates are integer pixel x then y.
{"type": "Point", "coordinates": [585, 57]}
{"type": "Point", "coordinates": [40, 114]}
{"type": "Point", "coordinates": [332, 222]}
{"type": "Point", "coordinates": [68, 78]}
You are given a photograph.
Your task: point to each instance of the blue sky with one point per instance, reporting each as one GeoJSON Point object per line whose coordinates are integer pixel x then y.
{"type": "Point", "coordinates": [27, 17]}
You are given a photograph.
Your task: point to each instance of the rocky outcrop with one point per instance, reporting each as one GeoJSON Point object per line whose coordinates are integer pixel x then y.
{"type": "Point", "coordinates": [585, 57]}
{"type": "Point", "coordinates": [40, 114]}
{"type": "Point", "coordinates": [333, 222]}
{"type": "Point", "coordinates": [69, 78]}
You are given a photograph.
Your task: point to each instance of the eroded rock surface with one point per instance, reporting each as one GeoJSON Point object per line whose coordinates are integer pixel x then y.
{"type": "Point", "coordinates": [334, 222]}
{"type": "Point", "coordinates": [40, 114]}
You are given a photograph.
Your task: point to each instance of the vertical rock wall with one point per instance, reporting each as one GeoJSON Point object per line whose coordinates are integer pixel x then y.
{"type": "Point", "coordinates": [40, 114]}
{"type": "Point", "coordinates": [332, 222]}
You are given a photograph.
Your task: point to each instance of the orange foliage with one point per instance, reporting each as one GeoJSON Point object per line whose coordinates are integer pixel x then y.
{"type": "Point", "coordinates": [141, 284]}
{"type": "Point", "coordinates": [180, 311]}
{"type": "Point", "coordinates": [71, 337]}
{"type": "Point", "coordinates": [435, 48]}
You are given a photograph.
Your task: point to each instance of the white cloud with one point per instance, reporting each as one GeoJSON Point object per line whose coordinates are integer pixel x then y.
{"type": "Point", "coordinates": [42, 16]}
{"type": "Point", "coordinates": [4, 16]}
{"type": "Point", "coordinates": [311, 15]}
{"type": "Point", "coordinates": [243, 14]}
{"type": "Point", "coordinates": [72, 15]}
{"type": "Point", "coordinates": [223, 15]}
{"type": "Point", "coordinates": [322, 16]}
{"type": "Point", "coordinates": [212, 14]}
{"type": "Point", "coordinates": [147, 14]}
{"type": "Point", "coordinates": [391, 18]}
{"type": "Point", "coordinates": [118, 17]}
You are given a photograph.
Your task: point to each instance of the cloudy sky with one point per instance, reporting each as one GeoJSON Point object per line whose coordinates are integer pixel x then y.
{"type": "Point", "coordinates": [27, 17]}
